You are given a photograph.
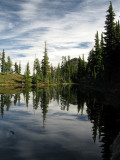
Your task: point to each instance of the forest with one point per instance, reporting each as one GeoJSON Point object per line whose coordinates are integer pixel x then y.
{"type": "Point", "coordinates": [101, 68]}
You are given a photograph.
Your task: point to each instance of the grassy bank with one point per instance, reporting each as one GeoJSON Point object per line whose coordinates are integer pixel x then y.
{"type": "Point", "coordinates": [18, 80]}
{"type": "Point", "coordinates": [11, 79]}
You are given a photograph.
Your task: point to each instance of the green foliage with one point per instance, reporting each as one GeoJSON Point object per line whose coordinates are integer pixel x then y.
{"type": "Point", "coordinates": [95, 59]}
{"type": "Point", "coordinates": [16, 68]}
{"type": "Point", "coordinates": [103, 60]}
{"type": "Point", "coordinates": [3, 64]}
{"type": "Point", "coordinates": [37, 75]}
{"type": "Point", "coordinates": [58, 74]}
{"type": "Point", "coordinates": [9, 65]}
{"type": "Point", "coordinates": [27, 75]}
{"type": "Point", "coordinates": [109, 29]}
{"type": "Point", "coordinates": [19, 68]}
{"type": "Point", "coordinates": [81, 72]}
{"type": "Point", "coordinates": [69, 70]}
{"type": "Point", "coordinates": [109, 39]}
{"type": "Point", "coordinates": [45, 66]}
{"type": "Point", "coordinates": [102, 66]}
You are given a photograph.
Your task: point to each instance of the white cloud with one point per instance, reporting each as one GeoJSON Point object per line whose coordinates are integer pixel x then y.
{"type": "Point", "coordinates": [62, 27]}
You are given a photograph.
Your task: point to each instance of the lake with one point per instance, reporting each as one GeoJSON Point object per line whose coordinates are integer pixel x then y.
{"type": "Point", "coordinates": [57, 123]}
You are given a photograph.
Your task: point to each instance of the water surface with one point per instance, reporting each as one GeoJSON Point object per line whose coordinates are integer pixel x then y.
{"type": "Point", "coordinates": [61, 123]}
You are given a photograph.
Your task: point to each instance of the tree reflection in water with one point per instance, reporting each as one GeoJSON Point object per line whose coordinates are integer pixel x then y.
{"type": "Point", "coordinates": [105, 118]}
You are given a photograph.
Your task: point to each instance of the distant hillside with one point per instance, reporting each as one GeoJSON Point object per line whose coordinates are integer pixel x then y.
{"type": "Point", "coordinates": [11, 79]}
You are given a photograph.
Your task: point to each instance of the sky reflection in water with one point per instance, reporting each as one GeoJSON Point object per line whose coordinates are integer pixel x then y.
{"type": "Point", "coordinates": [47, 131]}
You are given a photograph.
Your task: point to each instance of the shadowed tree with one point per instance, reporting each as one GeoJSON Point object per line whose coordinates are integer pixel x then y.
{"type": "Point", "coordinates": [109, 39]}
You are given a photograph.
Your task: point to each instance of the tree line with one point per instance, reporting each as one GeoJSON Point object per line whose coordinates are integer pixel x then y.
{"type": "Point", "coordinates": [104, 58]}
{"type": "Point", "coordinates": [102, 65]}
{"type": "Point", "coordinates": [6, 66]}
{"type": "Point", "coordinates": [68, 71]}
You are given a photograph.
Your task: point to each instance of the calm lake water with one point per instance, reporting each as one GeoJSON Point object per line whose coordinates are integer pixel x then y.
{"type": "Point", "coordinates": [57, 123]}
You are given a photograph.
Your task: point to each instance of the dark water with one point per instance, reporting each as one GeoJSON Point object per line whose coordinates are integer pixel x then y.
{"type": "Point", "coordinates": [57, 123]}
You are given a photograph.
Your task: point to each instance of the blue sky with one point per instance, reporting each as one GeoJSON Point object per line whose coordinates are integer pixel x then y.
{"type": "Point", "coordinates": [68, 26]}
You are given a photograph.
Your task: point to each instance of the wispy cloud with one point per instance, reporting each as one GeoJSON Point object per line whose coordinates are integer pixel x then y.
{"type": "Point", "coordinates": [67, 26]}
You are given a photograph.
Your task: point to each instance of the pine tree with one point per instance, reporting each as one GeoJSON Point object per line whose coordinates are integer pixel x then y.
{"type": "Point", "coordinates": [58, 74]}
{"type": "Point", "coordinates": [9, 65]}
{"type": "Point", "coordinates": [16, 70]}
{"type": "Point", "coordinates": [63, 69]}
{"type": "Point", "coordinates": [102, 45]}
{"type": "Point", "coordinates": [109, 39]}
{"type": "Point", "coordinates": [3, 63]}
{"type": "Point", "coordinates": [52, 74]}
{"type": "Point", "coordinates": [45, 66]}
{"type": "Point", "coordinates": [83, 66]}
{"type": "Point", "coordinates": [79, 73]}
{"type": "Point", "coordinates": [19, 68]}
{"type": "Point", "coordinates": [97, 45]}
{"type": "Point", "coordinates": [110, 29]}
{"type": "Point", "coordinates": [116, 57]}
{"type": "Point", "coordinates": [98, 56]}
{"type": "Point", "coordinates": [36, 71]}
{"type": "Point", "coordinates": [27, 74]}
{"type": "Point", "coordinates": [91, 63]}
{"type": "Point", "coordinates": [102, 52]}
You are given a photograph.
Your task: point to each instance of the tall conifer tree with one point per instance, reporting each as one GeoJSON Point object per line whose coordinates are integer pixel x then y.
{"type": "Point", "coordinates": [19, 68]}
{"type": "Point", "coordinates": [109, 39]}
{"type": "Point", "coordinates": [45, 65]}
{"type": "Point", "coordinates": [3, 64]}
{"type": "Point", "coordinates": [27, 74]}
{"type": "Point", "coordinates": [8, 64]}
{"type": "Point", "coordinates": [16, 68]}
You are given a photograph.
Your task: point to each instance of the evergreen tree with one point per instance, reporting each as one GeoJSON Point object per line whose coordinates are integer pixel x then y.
{"type": "Point", "coordinates": [58, 74]}
{"type": "Point", "coordinates": [83, 66]}
{"type": "Point", "coordinates": [110, 29]}
{"type": "Point", "coordinates": [116, 58]}
{"type": "Point", "coordinates": [90, 65]}
{"type": "Point", "coordinates": [102, 45]}
{"type": "Point", "coordinates": [45, 66]}
{"type": "Point", "coordinates": [35, 78]}
{"type": "Point", "coordinates": [9, 64]}
{"type": "Point", "coordinates": [52, 74]}
{"type": "Point", "coordinates": [66, 69]}
{"type": "Point", "coordinates": [98, 57]}
{"type": "Point", "coordinates": [16, 68]}
{"type": "Point", "coordinates": [27, 74]}
{"type": "Point", "coordinates": [95, 60]}
{"type": "Point", "coordinates": [36, 71]}
{"type": "Point", "coordinates": [109, 39]}
{"type": "Point", "coordinates": [97, 45]}
{"type": "Point", "coordinates": [19, 68]}
{"type": "Point", "coordinates": [63, 69]}
{"type": "Point", "coordinates": [81, 69]}
{"type": "Point", "coordinates": [79, 73]}
{"type": "Point", "coordinates": [102, 52]}
{"type": "Point", "coordinates": [3, 63]}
